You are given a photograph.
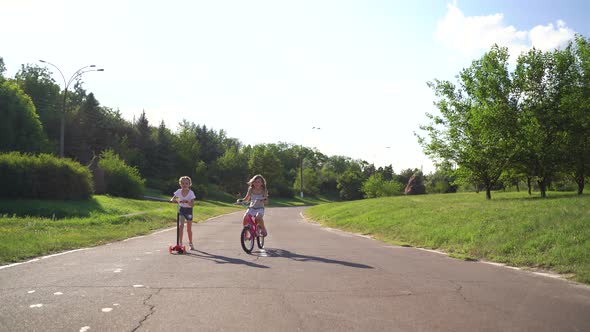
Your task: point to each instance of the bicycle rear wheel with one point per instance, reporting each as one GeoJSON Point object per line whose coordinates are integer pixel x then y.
{"type": "Point", "coordinates": [247, 240]}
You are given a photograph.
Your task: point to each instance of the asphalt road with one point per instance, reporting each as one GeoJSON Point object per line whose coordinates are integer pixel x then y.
{"type": "Point", "coordinates": [308, 278]}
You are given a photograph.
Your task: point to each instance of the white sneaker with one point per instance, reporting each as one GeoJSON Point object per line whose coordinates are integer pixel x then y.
{"type": "Point", "coordinates": [191, 246]}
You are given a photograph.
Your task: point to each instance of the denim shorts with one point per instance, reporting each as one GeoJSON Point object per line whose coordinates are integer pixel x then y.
{"type": "Point", "coordinates": [185, 214]}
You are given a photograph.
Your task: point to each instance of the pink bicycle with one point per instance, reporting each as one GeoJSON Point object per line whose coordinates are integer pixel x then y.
{"type": "Point", "coordinates": [250, 233]}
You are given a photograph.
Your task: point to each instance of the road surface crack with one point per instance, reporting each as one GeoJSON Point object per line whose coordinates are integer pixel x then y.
{"type": "Point", "coordinates": [152, 309]}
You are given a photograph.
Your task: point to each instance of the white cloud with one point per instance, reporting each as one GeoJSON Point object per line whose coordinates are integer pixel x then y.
{"type": "Point", "coordinates": [472, 35]}
{"type": "Point", "coordinates": [548, 37]}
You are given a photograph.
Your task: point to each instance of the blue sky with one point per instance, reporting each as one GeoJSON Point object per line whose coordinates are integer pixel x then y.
{"type": "Point", "coordinates": [269, 71]}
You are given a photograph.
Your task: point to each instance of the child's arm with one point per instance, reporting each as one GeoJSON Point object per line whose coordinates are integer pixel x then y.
{"type": "Point", "coordinates": [265, 199]}
{"type": "Point", "coordinates": [247, 197]}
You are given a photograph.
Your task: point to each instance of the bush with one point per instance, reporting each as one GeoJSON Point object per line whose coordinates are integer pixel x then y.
{"type": "Point", "coordinates": [43, 177]}
{"type": "Point", "coordinates": [376, 186]}
{"type": "Point", "coordinates": [120, 179]}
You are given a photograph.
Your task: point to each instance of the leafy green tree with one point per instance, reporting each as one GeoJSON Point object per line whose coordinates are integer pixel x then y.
{"type": "Point", "coordinates": [442, 180]}
{"type": "Point", "coordinates": [20, 128]}
{"type": "Point", "coordinates": [404, 176]}
{"type": "Point", "coordinates": [187, 147]}
{"type": "Point", "coordinates": [2, 69]}
{"type": "Point", "coordinates": [145, 146]}
{"type": "Point", "coordinates": [119, 134]}
{"type": "Point", "coordinates": [542, 137]}
{"type": "Point", "coordinates": [312, 182]}
{"type": "Point", "coordinates": [88, 137]}
{"type": "Point", "coordinates": [264, 159]}
{"type": "Point", "coordinates": [200, 180]}
{"type": "Point", "coordinates": [165, 155]}
{"type": "Point", "coordinates": [232, 169]}
{"type": "Point", "coordinates": [38, 84]}
{"type": "Point", "coordinates": [386, 172]}
{"type": "Point", "coordinates": [210, 143]}
{"type": "Point", "coordinates": [350, 184]}
{"type": "Point", "coordinates": [576, 106]}
{"type": "Point", "coordinates": [477, 122]}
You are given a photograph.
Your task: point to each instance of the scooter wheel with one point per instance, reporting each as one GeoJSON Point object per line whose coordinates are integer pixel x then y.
{"type": "Point", "coordinates": [170, 249]}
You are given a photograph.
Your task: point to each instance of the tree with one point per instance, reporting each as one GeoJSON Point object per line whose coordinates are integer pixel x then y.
{"type": "Point", "coordinates": [232, 169]}
{"type": "Point", "coordinates": [442, 180]}
{"type": "Point", "coordinates": [312, 182]}
{"type": "Point", "coordinates": [38, 84]}
{"type": "Point", "coordinates": [542, 138]}
{"type": "Point", "coordinates": [145, 146]}
{"type": "Point", "coordinates": [576, 106]}
{"type": "Point", "coordinates": [164, 157]}
{"type": "Point", "coordinates": [350, 184]}
{"type": "Point", "coordinates": [477, 123]}
{"type": "Point", "coordinates": [20, 128]}
{"type": "Point", "coordinates": [88, 135]}
{"type": "Point", "coordinates": [264, 159]}
{"type": "Point", "coordinates": [2, 69]}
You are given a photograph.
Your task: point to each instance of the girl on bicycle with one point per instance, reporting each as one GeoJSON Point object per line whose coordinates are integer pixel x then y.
{"type": "Point", "coordinates": [258, 197]}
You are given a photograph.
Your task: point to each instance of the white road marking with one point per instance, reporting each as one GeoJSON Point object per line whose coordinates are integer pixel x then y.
{"type": "Point", "coordinates": [58, 293]}
{"type": "Point", "coordinates": [137, 286]}
{"type": "Point", "coordinates": [38, 305]}
{"type": "Point", "coordinates": [44, 257]}
{"type": "Point", "coordinates": [118, 270]}
{"type": "Point", "coordinates": [31, 292]}
{"type": "Point", "coordinates": [85, 328]}
{"type": "Point", "coordinates": [107, 309]}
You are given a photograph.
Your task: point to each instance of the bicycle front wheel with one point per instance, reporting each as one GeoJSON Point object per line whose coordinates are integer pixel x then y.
{"type": "Point", "coordinates": [247, 240]}
{"type": "Point", "coordinates": [260, 240]}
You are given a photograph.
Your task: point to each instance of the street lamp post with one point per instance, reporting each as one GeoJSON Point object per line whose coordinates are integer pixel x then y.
{"type": "Point", "coordinates": [76, 75]}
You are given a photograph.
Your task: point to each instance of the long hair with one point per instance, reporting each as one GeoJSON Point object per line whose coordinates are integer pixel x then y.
{"type": "Point", "coordinates": [257, 176]}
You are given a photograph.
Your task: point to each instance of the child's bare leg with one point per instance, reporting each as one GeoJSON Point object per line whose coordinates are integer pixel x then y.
{"type": "Point", "coordinates": [261, 224]}
{"type": "Point", "coordinates": [189, 230]}
{"type": "Point", "coordinates": [180, 234]}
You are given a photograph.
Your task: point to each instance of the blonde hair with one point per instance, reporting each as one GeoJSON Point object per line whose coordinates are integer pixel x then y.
{"type": "Point", "coordinates": [190, 182]}
{"type": "Point", "coordinates": [257, 176]}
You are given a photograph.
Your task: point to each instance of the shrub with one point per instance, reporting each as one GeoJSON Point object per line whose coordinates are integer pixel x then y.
{"type": "Point", "coordinates": [43, 177]}
{"type": "Point", "coordinates": [376, 186]}
{"type": "Point", "coordinates": [120, 179]}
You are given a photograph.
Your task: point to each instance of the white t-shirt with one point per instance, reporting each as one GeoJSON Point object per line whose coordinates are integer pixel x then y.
{"type": "Point", "coordinates": [189, 197]}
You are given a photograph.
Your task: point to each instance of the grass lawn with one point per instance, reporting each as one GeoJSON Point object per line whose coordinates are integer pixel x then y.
{"type": "Point", "coordinates": [31, 228]}
{"type": "Point", "coordinates": [512, 228]}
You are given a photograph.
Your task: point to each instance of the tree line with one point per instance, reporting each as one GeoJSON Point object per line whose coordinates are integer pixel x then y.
{"type": "Point", "coordinates": [500, 125]}
{"type": "Point", "coordinates": [505, 123]}
{"type": "Point", "coordinates": [31, 104]}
